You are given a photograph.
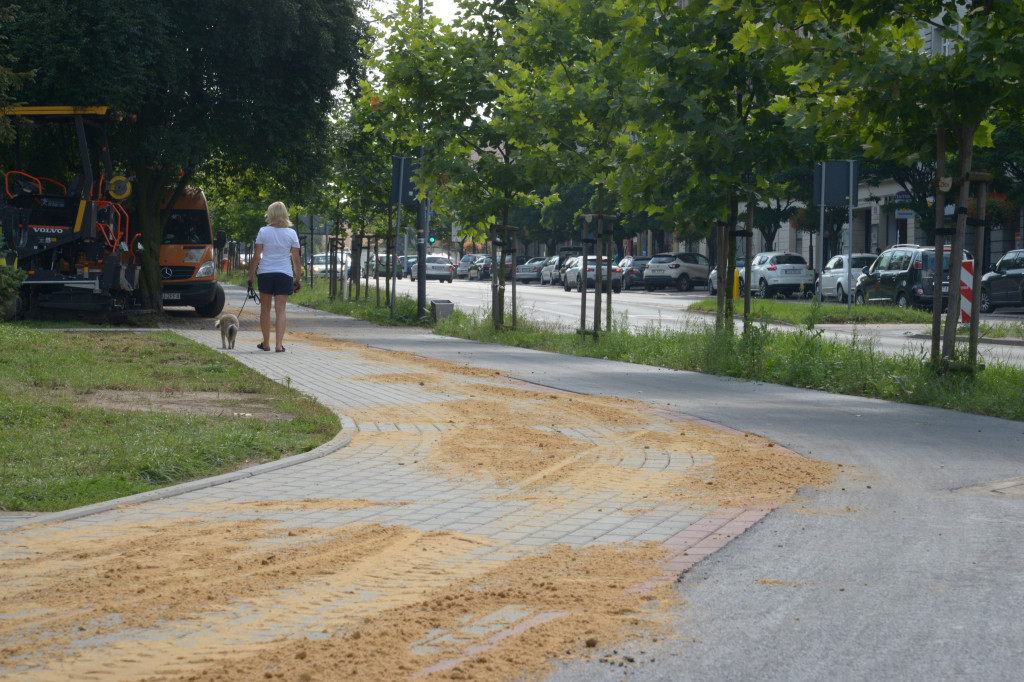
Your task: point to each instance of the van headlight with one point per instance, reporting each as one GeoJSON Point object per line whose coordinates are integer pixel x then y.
{"type": "Point", "coordinates": [206, 269]}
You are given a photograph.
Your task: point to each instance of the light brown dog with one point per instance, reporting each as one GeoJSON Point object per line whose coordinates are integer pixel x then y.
{"type": "Point", "coordinates": [228, 325]}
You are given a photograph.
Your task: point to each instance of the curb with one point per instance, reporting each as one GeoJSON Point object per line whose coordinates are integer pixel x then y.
{"type": "Point", "coordinates": [348, 429]}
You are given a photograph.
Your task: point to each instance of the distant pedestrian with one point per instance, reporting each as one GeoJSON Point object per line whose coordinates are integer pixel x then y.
{"type": "Point", "coordinates": [275, 263]}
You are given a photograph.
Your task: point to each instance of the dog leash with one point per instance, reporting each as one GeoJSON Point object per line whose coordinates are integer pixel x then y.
{"type": "Point", "coordinates": [251, 293]}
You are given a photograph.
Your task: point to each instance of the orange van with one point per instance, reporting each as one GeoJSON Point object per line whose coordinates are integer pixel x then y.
{"type": "Point", "coordinates": [188, 266]}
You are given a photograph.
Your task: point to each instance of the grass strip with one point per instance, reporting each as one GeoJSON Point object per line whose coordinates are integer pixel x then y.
{"type": "Point", "coordinates": [803, 357]}
{"type": "Point", "coordinates": [60, 451]}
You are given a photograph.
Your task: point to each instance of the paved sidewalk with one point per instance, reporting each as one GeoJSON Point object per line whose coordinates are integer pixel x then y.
{"type": "Point", "coordinates": [377, 459]}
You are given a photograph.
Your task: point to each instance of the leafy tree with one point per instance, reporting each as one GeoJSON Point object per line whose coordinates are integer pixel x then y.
{"type": "Point", "coordinates": [10, 80]}
{"type": "Point", "coordinates": [713, 132]}
{"type": "Point", "coordinates": [866, 78]}
{"type": "Point", "coordinates": [249, 84]}
{"type": "Point", "coordinates": [470, 157]}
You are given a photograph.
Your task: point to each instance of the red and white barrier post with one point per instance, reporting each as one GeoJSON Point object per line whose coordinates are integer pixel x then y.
{"type": "Point", "coordinates": [966, 290]}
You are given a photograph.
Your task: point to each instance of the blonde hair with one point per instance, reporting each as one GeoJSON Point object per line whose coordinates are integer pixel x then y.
{"type": "Point", "coordinates": [277, 215]}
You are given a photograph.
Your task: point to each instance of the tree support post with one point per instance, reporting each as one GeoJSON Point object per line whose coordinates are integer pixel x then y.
{"type": "Point", "coordinates": [979, 247]}
{"type": "Point", "coordinates": [940, 240]}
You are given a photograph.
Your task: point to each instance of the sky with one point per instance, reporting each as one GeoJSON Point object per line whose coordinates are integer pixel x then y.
{"type": "Point", "coordinates": [444, 9]}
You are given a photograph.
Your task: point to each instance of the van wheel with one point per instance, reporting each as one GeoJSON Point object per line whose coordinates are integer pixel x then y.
{"type": "Point", "coordinates": [215, 306]}
{"type": "Point", "coordinates": [901, 300]}
{"type": "Point", "coordinates": [859, 298]}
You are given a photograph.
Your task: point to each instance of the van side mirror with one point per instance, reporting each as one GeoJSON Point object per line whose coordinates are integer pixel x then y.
{"type": "Point", "coordinates": [221, 240]}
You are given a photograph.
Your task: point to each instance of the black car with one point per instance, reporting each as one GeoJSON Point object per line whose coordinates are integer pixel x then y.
{"type": "Point", "coordinates": [904, 274]}
{"type": "Point", "coordinates": [1004, 285]}
{"type": "Point", "coordinates": [633, 271]}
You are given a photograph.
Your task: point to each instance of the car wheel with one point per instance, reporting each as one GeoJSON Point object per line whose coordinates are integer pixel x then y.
{"type": "Point", "coordinates": [901, 300]}
{"type": "Point", "coordinates": [985, 302]}
{"type": "Point", "coordinates": [858, 298]}
{"type": "Point", "coordinates": [617, 288]}
{"type": "Point", "coordinates": [840, 294]}
{"type": "Point", "coordinates": [762, 289]}
{"type": "Point", "coordinates": [683, 283]}
{"type": "Point", "coordinates": [579, 284]}
{"type": "Point", "coordinates": [712, 289]}
{"type": "Point", "coordinates": [649, 287]}
{"type": "Point", "coordinates": [565, 285]}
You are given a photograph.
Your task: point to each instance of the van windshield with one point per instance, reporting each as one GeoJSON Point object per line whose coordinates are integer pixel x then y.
{"type": "Point", "coordinates": [187, 227]}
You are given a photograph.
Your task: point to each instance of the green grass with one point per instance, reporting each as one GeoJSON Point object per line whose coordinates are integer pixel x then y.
{"type": "Point", "coordinates": [803, 358]}
{"type": "Point", "coordinates": [792, 312]}
{"type": "Point", "coordinates": [60, 453]}
{"type": "Point", "coordinates": [365, 308]}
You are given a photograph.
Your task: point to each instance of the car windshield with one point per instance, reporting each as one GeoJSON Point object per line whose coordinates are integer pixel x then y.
{"type": "Point", "coordinates": [789, 259]}
{"type": "Point", "coordinates": [437, 259]}
{"type": "Point", "coordinates": [667, 258]}
{"type": "Point", "coordinates": [862, 261]}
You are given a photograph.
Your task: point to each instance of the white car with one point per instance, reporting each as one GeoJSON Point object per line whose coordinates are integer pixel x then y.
{"type": "Point", "coordinates": [678, 270]}
{"type": "Point", "coordinates": [438, 267]}
{"type": "Point", "coordinates": [320, 264]}
{"type": "Point", "coordinates": [781, 273]}
{"type": "Point", "coordinates": [575, 278]}
{"type": "Point", "coordinates": [713, 277]}
{"type": "Point", "coordinates": [838, 278]}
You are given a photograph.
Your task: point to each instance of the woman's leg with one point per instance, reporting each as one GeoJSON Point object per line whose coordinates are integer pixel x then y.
{"type": "Point", "coordinates": [265, 301]}
{"type": "Point", "coordinates": [280, 319]}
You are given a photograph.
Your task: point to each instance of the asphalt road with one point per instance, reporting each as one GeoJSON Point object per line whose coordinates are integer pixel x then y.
{"type": "Point", "coordinates": [669, 309]}
{"type": "Point", "coordinates": [908, 568]}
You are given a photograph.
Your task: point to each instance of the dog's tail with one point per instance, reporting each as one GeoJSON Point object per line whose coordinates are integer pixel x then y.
{"type": "Point", "coordinates": [217, 323]}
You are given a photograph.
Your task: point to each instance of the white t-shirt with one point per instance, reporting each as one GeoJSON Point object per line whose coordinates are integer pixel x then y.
{"type": "Point", "coordinates": [278, 243]}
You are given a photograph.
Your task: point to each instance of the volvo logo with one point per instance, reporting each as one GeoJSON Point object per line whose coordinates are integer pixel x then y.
{"type": "Point", "coordinates": [166, 273]}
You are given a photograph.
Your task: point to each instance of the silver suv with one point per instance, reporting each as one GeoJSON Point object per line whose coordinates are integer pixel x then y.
{"type": "Point", "coordinates": [680, 270]}
{"type": "Point", "coordinates": [779, 272]}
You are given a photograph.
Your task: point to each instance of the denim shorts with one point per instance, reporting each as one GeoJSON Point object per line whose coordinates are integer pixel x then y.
{"type": "Point", "coordinates": [275, 284]}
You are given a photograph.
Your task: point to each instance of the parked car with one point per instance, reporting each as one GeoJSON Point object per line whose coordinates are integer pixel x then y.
{"type": "Point", "coordinates": [713, 276]}
{"type": "Point", "coordinates": [633, 271]}
{"type": "Point", "coordinates": [569, 262]}
{"type": "Point", "coordinates": [462, 269]}
{"type": "Point", "coordinates": [780, 273]}
{"type": "Point", "coordinates": [480, 268]}
{"type": "Point", "coordinates": [679, 270]}
{"type": "Point", "coordinates": [549, 273]}
{"type": "Point", "coordinates": [530, 270]}
{"type": "Point", "coordinates": [320, 264]}
{"type": "Point", "coordinates": [1004, 284]}
{"type": "Point", "coordinates": [438, 267]}
{"type": "Point", "coordinates": [905, 275]}
{"type": "Point", "coordinates": [839, 276]}
{"type": "Point", "coordinates": [574, 276]}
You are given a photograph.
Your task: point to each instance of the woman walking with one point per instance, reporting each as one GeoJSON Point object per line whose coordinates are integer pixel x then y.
{"type": "Point", "coordinates": [275, 263]}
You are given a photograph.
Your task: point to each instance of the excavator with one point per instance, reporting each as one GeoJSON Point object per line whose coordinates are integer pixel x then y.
{"type": "Point", "coordinates": [71, 236]}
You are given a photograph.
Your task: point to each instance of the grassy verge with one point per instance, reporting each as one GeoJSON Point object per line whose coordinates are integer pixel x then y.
{"type": "Point", "coordinates": [60, 451]}
{"type": "Point", "coordinates": [365, 308]}
{"type": "Point", "coordinates": [772, 310]}
{"type": "Point", "coordinates": [803, 358]}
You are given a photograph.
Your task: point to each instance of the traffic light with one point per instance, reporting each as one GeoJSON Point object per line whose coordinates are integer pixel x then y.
{"type": "Point", "coordinates": [431, 239]}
